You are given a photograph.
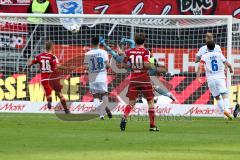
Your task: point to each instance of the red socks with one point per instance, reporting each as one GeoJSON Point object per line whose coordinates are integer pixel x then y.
{"type": "Point", "coordinates": [127, 110]}
{"type": "Point", "coordinates": [151, 114]}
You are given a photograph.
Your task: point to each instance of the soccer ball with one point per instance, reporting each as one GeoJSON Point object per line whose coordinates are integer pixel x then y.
{"type": "Point", "coordinates": [75, 28]}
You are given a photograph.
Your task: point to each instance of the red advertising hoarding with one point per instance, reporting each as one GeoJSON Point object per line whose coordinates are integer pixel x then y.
{"type": "Point", "coordinates": [170, 7]}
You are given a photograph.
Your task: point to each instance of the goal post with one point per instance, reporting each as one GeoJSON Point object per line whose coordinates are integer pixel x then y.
{"type": "Point", "coordinates": [172, 39]}
{"type": "Point", "coordinates": [229, 50]}
{"type": "Point", "coordinates": [235, 62]}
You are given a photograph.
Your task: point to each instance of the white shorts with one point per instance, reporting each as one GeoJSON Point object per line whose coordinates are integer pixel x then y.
{"type": "Point", "coordinates": [98, 87]}
{"type": "Point", "coordinates": [217, 87]}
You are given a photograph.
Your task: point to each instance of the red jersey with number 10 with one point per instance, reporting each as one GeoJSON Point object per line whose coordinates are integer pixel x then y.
{"type": "Point", "coordinates": [136, 57]}
{"type": "Point", "coordinates": [47, 63]}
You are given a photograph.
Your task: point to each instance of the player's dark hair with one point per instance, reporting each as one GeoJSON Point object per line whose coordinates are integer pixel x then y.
{"type": "Point", "coordinates": [95, 40]}
{"type": "Point", "coordinates": [49, 45]}
{"type": "Point", "coordinates": [210, 45]}
{"type": "Point", "coordinates": [139, 38]}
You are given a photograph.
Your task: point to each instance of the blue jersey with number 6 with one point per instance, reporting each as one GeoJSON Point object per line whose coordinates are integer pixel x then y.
{"type": "Point", "coordinates": [214, 65]}
{"type": "Point", "coordinates": [96, 59]}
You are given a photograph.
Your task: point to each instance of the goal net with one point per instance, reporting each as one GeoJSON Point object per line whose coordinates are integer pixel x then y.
{"type": "Point", "coordinates": [235, 81]}
{"type": "Point", "coordinates": [172, 40]}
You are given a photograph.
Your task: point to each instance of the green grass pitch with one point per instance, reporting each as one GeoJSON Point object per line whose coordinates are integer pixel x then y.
{"type": "Point", "coordinates": [44, 137]}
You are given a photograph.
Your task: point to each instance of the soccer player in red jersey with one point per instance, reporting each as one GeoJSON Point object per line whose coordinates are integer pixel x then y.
{"type": "Point", "coordinates": [50, 78]}
{"type": "Point", "coordinates": [138, 59]}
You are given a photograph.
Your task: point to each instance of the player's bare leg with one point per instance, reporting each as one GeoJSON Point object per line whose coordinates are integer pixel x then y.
{"type": "Point", "coordinates": [161, 89]}
{"type": "Point", "coordinates": [127, 111]}
{"type": "Point", "coordinates": [166, 93]}
{"type": "Point", "coordinates": [63, 102]}
{"type": "Point", "coordinates": [151, 114]}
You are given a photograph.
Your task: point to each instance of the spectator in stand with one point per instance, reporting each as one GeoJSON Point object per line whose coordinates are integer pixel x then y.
{"type": "Point", "coordinates": [40, 7]}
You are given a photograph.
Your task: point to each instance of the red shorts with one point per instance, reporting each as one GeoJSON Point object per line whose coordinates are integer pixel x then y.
{"type": "Point", "coordinates": [49, 85]}
{"type": "Point", "coordinates": [135, 89]}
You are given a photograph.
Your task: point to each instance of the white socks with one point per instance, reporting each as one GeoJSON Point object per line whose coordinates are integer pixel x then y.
{"type": "Point", "coordinates": [105, 100]}
{"type": "Point", "coordinates": [226, 105]}
{"type": "Point", "coordinates": [96, 102]}
{"type": "Point", "coordinates": [100, 107]}
{"type": "Point", "coordinates": [220, 105]}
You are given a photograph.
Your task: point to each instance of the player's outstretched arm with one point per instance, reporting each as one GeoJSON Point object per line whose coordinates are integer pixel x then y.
{"type": "Point", "coordinates": [199, 54]}
{"type": "Point", "coordinates": [107, 48]}
{"type": "Point", "coordinates": [229, 66]}
{"type": "Point", "coordinates": [62, 67]}
{"type": "Point", "coordinates": [197, 59]}
{"type": "Point", "coordinates": [30, 63]}
{"type": "Point", "coordinates": [130, 41]}
{"type": "Point", "coordinates": [107, 64]}
{"type": "Point", "coordinates": [199, 71]}
{"type": "Point", "coordinates": [118, 58]}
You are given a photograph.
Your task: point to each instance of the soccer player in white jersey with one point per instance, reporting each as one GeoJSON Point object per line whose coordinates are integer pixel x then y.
{"type": "Point", "coordinates": [203, 49]}
{"type": "Point", "coordinates": [96, 63]}
{"type": "Point", "coordinates": [215, 63]}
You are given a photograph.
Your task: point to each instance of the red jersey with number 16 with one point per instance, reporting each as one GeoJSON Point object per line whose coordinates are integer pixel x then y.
{"type": "Point", "coordinates": [136, 57]}
{"type": "Point", "coordinates": [47, 63]}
